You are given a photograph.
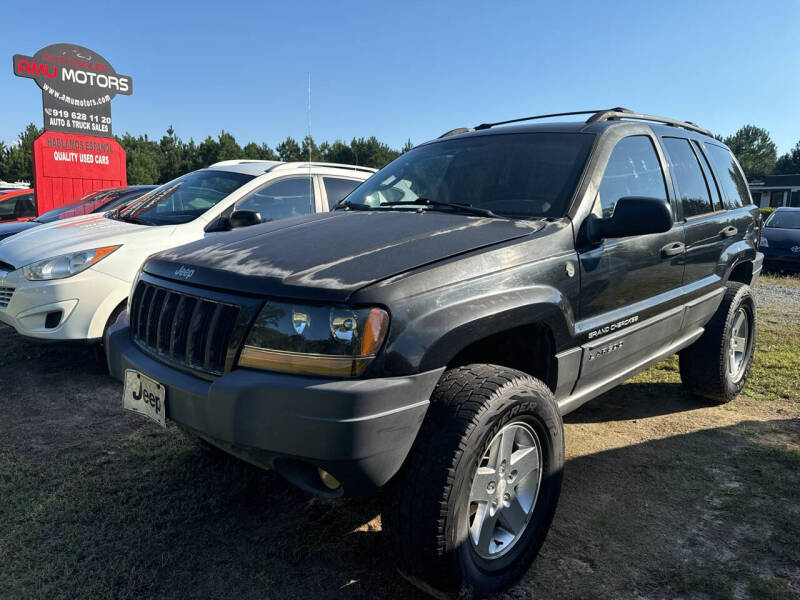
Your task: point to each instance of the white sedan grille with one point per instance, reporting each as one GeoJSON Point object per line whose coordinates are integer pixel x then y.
{"type": "Point", "coordinates": [5, 296]}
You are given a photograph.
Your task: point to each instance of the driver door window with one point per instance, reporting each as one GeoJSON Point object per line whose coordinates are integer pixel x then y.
{"type": "Point", "coordinates": [18, 207]}
{"type": "Point", "coordinates": [633, 170]}
{"type": "Point", "coordinates": [289, 197]}
{"type": "Point", "coordinates": [26, 207]}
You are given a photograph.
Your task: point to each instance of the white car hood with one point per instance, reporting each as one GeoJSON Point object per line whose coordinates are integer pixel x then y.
{"type": "Point", "coordinates": [71, 235]}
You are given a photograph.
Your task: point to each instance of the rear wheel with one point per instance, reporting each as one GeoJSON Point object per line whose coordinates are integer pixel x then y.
{"type": "Point", "coordinates": [474, 501]}
{"type": "Point", "coordinates": [716, 366]}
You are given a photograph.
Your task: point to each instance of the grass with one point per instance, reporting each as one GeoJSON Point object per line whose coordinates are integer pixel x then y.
{"type": "Point", "coordinates": [735, 477]}
{"type": "Point", "coordinates": [779, 279]}
{"type": "Point", "coordinates": [663, 497]}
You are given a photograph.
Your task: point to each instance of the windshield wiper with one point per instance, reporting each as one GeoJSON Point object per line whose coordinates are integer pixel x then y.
{"type": "Point", "coordinates": [468, 208]}
{"type": "Point", "coordinates": [134, 220]}
{"type": "Point", "coordinates": [352, 206]}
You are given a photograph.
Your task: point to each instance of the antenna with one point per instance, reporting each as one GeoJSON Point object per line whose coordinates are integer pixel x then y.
{"type": "Point", "coordinates": [308, 114]}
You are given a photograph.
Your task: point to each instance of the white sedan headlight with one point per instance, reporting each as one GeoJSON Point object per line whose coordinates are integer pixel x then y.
{"type": "Point", "coordinates": [66, 265]}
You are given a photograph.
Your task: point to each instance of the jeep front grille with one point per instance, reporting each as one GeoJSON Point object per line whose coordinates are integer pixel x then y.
{"type": "Point", "coordinates": [5, 296]}
{"type": "Point", "coordinates": [188, 330]}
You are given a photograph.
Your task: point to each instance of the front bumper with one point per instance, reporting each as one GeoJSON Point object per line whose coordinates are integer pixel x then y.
{"type": "Point", "coordinates": [84, 302]}
{"type": "Point", "coordinates": [360, 431]}
{"type": "Point", "coordinates": [758, 265]}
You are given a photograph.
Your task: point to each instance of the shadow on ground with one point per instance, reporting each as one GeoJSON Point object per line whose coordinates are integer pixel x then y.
{"type": "Point", "coordinates": [637, 401]}
{"type": "Point", "coordinates": [103, 504]}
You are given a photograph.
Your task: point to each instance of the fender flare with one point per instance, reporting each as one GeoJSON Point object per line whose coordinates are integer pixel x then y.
{"type": "Point", "coordinates": [433, 339]}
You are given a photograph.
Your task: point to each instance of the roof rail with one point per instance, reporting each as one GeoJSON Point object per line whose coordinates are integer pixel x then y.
{"type": "Point", "coordinates": [242, 161]}
{"type": "Point", "coordinates": [287, 165]}
{"type": "Point", "coordinates": [455, 131]}
{"type": "Point", "coordinates": [615, 114]}
{"type": "Point", "coordinates": [564, 114]}
{"type": "Point", "coordinates": [597, 116]}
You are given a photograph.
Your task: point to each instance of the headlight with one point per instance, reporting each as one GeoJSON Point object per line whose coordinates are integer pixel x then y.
{"type": "Point", "coordinates": [66, 265]}
{"type": "Point", "coordinates": [764, 243]}
{"type": "Point", "coordinates": [315, 340]}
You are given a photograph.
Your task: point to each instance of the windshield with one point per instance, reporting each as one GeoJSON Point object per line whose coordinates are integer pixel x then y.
{"type": "Point", "coordinates": [185, 198]}
{"type": "Point", "coordinates": [784, 219]}
{"type": "Point", "coordinates": [513, 175]}
{"type": "Point", "coordinates": [85, 205]}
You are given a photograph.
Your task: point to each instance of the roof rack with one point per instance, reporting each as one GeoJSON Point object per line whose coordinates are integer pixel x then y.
{"type": "Point", "coordinates": [615, 114]}
{"type": "Point", "coordinates": [287, 165]}
{"type": "Point", "coordinates": [564, 114]}
{"type": "Point", "coordinates": [597, 116]}
{"type": "Point", "coordinates": [455, 131]}
{"type": "Point", "coordinates": [242, 161]}
{"type": "Point", "coordinates": [272, 165]}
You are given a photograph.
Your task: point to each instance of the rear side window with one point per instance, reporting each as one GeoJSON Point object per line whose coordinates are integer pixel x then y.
{"type": "Point", "coordinates": [281, 199]}
{"type": "Point", "coordinates": [336, 189]}
{"type": "Point", "coordinates": [692, 187]}
{"type": "Point", "coordinates": [633, 170]}
{"type": "Point", "coordinates": [731, 180]}
{"type": "Point", "coordinates": [713, 186]}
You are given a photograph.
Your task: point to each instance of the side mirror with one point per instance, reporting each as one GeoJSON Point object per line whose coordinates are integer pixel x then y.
{"type": "Point", "coordinates": [633, 215]}
{"type": "Point", "coordinates": [244, 218]}
{"type": "Point", "coordinates": [219, 224]}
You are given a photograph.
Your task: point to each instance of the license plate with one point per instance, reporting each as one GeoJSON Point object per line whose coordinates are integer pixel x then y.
{"type": "Point", "coordinates": [145, 396]}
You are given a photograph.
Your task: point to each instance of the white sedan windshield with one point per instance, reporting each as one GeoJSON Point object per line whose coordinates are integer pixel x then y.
{"type": "Point", "coordinates": [185, 198]}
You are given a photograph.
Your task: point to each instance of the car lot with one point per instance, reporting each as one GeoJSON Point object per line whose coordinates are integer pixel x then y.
{"type": "Point", "coordinates": [665, 496]}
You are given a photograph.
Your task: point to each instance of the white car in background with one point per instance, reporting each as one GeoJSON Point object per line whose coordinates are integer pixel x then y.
{"type": "Point", "coordinates": [69, 280]}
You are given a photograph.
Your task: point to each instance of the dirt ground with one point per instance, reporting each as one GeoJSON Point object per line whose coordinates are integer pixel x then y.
{"type": "Point", "coordinates": [664, 496]}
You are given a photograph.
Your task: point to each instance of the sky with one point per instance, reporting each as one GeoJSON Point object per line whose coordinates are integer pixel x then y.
{"type": "Point", "coordinates": [412, 70]}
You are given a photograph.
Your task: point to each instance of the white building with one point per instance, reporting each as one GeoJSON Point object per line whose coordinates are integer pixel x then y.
{"type": "Point", "coordinates": [776, 190]}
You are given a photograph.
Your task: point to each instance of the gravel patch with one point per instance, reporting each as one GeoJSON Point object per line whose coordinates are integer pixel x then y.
{"type": "Point", "coordinates": [779, 304]}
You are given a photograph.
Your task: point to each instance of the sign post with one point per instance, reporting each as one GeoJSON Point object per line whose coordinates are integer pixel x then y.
{"type": "Point", "coordinates": [77, 153]}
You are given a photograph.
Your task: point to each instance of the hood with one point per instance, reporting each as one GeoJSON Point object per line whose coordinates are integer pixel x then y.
{"type": "Point", "coordinates": [333, 254]}
{"type": "Point", "coordinates": [69, 235]}
{"type": "Point", "coordinates": [9, 229]}
{"type": "Point", "coordinates": [781, 238]}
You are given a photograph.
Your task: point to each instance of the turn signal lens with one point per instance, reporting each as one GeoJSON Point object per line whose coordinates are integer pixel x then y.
{"type": "Point", "coordinates": [374, 331]}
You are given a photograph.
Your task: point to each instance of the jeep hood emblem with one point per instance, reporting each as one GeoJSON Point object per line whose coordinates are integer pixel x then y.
{"type": "Point", "coordinates": [184, 272]}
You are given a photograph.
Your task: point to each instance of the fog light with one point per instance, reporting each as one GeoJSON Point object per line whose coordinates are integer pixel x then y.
{"type": "Point", "coordinates": [328, 480]}
{"type": "Point", "coordinates": [53, 319]}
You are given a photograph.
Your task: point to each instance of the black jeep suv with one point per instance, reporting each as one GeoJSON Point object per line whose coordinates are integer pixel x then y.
{"type": "Point", "coordinates": [429, 333]}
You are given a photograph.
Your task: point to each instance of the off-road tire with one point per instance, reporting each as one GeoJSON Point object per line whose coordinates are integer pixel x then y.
{"type": "Point", "coordinates": [704, 364]}
{"type": "Point", "coordinates": [427, 503]}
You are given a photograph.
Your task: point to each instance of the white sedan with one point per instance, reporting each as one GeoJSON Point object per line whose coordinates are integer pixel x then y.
{"type": "Point", "coordinates": [69, 280]}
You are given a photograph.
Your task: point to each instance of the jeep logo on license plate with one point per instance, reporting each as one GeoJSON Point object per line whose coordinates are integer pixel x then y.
{"type": "Point", "coordinates": [145, 396]}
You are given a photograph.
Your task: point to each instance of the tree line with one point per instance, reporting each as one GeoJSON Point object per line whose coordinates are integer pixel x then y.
{"type": "Point", "coordinates": [151, 161]}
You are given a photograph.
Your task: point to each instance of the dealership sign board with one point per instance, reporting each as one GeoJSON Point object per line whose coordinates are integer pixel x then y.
{"type": "Point", "coordinates": [76, 153]}
{"type": "Point", "coordinates": [67, 166]}
{"type": "Point", "coordinates": [77, 85]}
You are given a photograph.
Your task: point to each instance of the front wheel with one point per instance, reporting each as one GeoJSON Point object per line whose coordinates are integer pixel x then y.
{"type": "Point", "coordinates": [716, 366]}
{"type": "Point", "coordinates": [470, 509]}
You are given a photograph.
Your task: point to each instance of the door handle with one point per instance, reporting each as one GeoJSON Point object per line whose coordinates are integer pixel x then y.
{"type": "Point", "coordinates": [673, 249]}
{"type": "Point", "coordinates": [729, 231]}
